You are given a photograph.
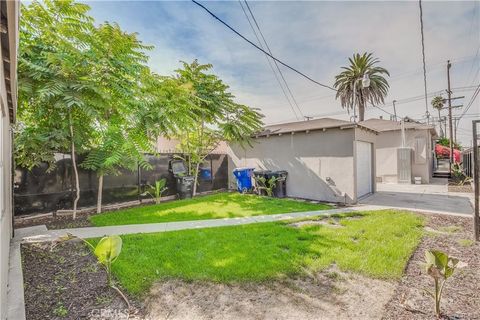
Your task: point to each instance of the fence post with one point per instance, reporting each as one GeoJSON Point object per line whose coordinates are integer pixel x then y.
{"type": "Point", "coordinates": [476, 182]}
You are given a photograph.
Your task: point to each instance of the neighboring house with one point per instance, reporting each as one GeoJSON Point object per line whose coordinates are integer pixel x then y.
{"type": "Point", "coordinates": [418, 137]}
{"type": "Point", "coordinates": [8, 103]}
{"type": "Point", "coordinates": [326, 159]}
{"type": "Point", "coordinates": [166, 145]}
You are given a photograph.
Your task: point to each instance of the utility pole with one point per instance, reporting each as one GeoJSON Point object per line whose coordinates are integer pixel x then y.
{"type": "Point", "coordinates": [455, 124]}
{"type": "Point", "coordinates": [449, 65]}
{"type": "Point", "coordinates": [394, 110]}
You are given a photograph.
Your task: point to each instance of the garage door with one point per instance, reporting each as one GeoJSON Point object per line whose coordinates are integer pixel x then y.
{"type": "Point", "coordinates": [364, 168]}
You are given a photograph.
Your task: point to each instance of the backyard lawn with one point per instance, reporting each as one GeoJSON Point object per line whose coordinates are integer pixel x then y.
{"type": "Point", "coordinates": [376, 244]}
{"type": "Point", "coordinates": [220, 205]}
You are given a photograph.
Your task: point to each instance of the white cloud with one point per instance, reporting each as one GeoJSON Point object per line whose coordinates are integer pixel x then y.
{"type": "Point", "coordinates": [317, 38]}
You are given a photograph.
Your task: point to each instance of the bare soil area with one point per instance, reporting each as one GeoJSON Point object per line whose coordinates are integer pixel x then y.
{"type": "Point", "coordinates": [461, 296]}
{"type": "Point", "coordinates": [466, 188]}
{"type": "Point", "coordinates": [58, 222]}
{"type": "Point", "coordinates": [66, 282]}
{"type": "Point", "coordinates": [326, 295]}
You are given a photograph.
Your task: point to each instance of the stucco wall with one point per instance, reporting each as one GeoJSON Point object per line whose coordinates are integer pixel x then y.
{"type": "Point", "coordinates": [5, 209]}
{"type": "Point", "coordinates": [6, 154]}
{"type": "Point", "coordinates": [310, 159]}
{"type": "Point", "coordinates": [386, 154]}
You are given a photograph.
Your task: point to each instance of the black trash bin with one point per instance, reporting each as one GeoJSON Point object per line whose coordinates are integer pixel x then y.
{"type": "Point", "coordinates": [259, 174]}
{"type": "Point", "coordinates": [280, 189]}
{"type": "Point", "coordinates": [184, 181]}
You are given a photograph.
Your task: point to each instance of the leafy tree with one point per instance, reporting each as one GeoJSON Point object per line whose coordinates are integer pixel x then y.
{"type": "Point", "coordinates": [216, 116]}
{"type": "Point", "coordinates": [120, 140]}
{"type": "Point", "coordinates": [438, 103]}
{"type": "Point", "coordinates": [55, 92]}
{"type": "Point", "coordinates": [87, 89]}
{"type": "Point", "coordinates": [375, 93]}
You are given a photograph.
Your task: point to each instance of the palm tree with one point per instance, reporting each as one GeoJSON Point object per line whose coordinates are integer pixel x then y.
{"type": "Point", "coordinates": [375, 93]}
{"type": "Point", "coordinates": [438, 103]}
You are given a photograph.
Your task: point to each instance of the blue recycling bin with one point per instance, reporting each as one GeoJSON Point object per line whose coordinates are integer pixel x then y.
{"type": "Point", "coordinates": [244, 178]}
{"type": "Point", "coordinates": [205, 174]}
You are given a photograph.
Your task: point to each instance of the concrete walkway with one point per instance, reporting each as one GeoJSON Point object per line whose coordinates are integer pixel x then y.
{"type": "Point", "coordinates": [433, 198]}
{"type": "Point", "coordinates": [40, 233]}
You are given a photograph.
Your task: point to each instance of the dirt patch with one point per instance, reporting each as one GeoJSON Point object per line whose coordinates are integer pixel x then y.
{"type": "Point", "coordinates": [461, 296]}
{"type": "Point", "coordinates": [466, 188]}
{"type": "Point", "coordinates": [58, 222]}
{"type": "Point", "coordinates": [326, 295]}
{"type": "Point", "coordinates": [68, 283]}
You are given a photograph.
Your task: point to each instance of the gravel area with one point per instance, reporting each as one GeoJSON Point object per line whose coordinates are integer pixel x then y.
{"type": "Point", "coordinates": [461, 296]}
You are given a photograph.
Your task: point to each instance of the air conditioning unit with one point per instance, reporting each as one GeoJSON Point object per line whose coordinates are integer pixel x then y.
{"type": "Point", "coordinates": [404, 165]}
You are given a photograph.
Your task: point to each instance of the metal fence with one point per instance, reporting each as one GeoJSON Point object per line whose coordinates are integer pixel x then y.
{"type": "Point", "coordinates": [39, 191]}
{"type": "Point", "coordinates": [467, 162]}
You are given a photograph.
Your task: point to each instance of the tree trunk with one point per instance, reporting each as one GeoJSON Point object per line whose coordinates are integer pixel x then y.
{"type": "Point", "coordinates": [197, 166]}
{"type": "Point", "coordinates": [75, 170]}
{"type": "Point", "coordinates": [440, 123]}
{"type": "Point", "coordinates": [361, 107]}
{"type": "Point", "coordinates": [100, 193]}
{"type": "Point", "coordinates": [361, 112]}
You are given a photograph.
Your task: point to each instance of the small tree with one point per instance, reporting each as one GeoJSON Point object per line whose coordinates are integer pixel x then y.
{"type": "Point", "coordinates": [56, 95]}
{"type": "Point", "coordinates": [216, 117]}
{"type": "Point", "coordinates": [440, 267]}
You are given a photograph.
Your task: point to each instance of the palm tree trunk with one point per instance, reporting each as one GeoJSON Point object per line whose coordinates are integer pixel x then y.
{"type": "Point", "coordinates": [100, 193]}
{"type": "Point", "coordinates": [75, 169]}
{"type": "Point", "coordinates": [361, 107]}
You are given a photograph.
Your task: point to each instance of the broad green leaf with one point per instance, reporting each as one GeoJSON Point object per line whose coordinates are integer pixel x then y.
{"type": "Point", "coordinates": [108, 249]}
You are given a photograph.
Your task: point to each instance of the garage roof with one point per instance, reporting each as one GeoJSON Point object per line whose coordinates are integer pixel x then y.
{"type": "Point", "coordinates": [382, 125]}
{"type": "Point", "coordinates": [308, 125]}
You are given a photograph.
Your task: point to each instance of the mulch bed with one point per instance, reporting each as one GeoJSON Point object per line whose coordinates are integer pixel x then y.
{"type": "Point", "coordinates": [466, 188]}
{"type": "Point", "coordinates": [461, 295]}
{"type": "Point", "coordinates": [58, 222]}
{"type": "Point", "coordinates": [66, 282]}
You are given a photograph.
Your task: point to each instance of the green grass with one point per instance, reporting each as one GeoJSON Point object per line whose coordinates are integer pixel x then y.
{"type": "Point", "coordinates": [220, 205]}
{"type": "Point", "coordinates": [377, 244]}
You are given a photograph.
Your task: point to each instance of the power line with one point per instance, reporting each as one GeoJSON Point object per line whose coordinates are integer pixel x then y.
{"type": "Point", "coordinates": [269, 63]}
{"type": "Point", "coordinates": [276, 64]}
{"type": "Point", "coordinates": [470, 103]}
{"type": "Point", "coordinates": [253, 44]}
{"type": "Point", "coordinates": [423, 57]}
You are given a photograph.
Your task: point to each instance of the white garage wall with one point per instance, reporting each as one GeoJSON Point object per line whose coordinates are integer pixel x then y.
{"type": "Point", "coordinates": [386, 154]}
{"type": "Point", "coordinates": [310, 159]}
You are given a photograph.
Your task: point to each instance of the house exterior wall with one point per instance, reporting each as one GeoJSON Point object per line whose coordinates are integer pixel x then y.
{"type": "Point", "coordinates": [6, 203]}
{"type": "Point", "coordinates": [5, 206]}
{"type": "Point", "coordinates": [386, 154]}
{"type": "Point", "coordinates": [320, 164]}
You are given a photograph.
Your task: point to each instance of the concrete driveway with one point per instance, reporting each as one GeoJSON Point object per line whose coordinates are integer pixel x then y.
{"type": "Point", "coordinates": [433, 197]}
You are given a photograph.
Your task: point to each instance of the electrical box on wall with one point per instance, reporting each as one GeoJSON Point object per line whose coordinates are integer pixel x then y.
{"type": "Point", "coordinates": [404, 165]}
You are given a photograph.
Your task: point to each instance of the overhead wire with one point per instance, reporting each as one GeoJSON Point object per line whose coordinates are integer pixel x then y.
{"type": "Point", "coordinates": [256, 46]}
{"type": "Point", "coordinates": [275, 62]}
{"type": "Point", "coordinates": [269, 63]}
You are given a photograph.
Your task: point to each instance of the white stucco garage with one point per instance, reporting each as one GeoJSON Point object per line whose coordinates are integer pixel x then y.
{"type": "Point", "coordinates": [419, 139]}
{"type": "Point", "coordinates": [326, 159]}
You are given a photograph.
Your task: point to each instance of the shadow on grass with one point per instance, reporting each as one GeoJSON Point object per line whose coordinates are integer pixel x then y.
{"type": "Point", "coordinates": [221, 205]}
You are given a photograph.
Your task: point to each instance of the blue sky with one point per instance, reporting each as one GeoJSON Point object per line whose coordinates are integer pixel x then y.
{"type": "Point", "coordinates": [316, 38]}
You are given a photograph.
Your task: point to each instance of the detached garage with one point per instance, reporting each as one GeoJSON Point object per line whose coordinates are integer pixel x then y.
{"type": "Point", "coordinates": [326, 159]}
